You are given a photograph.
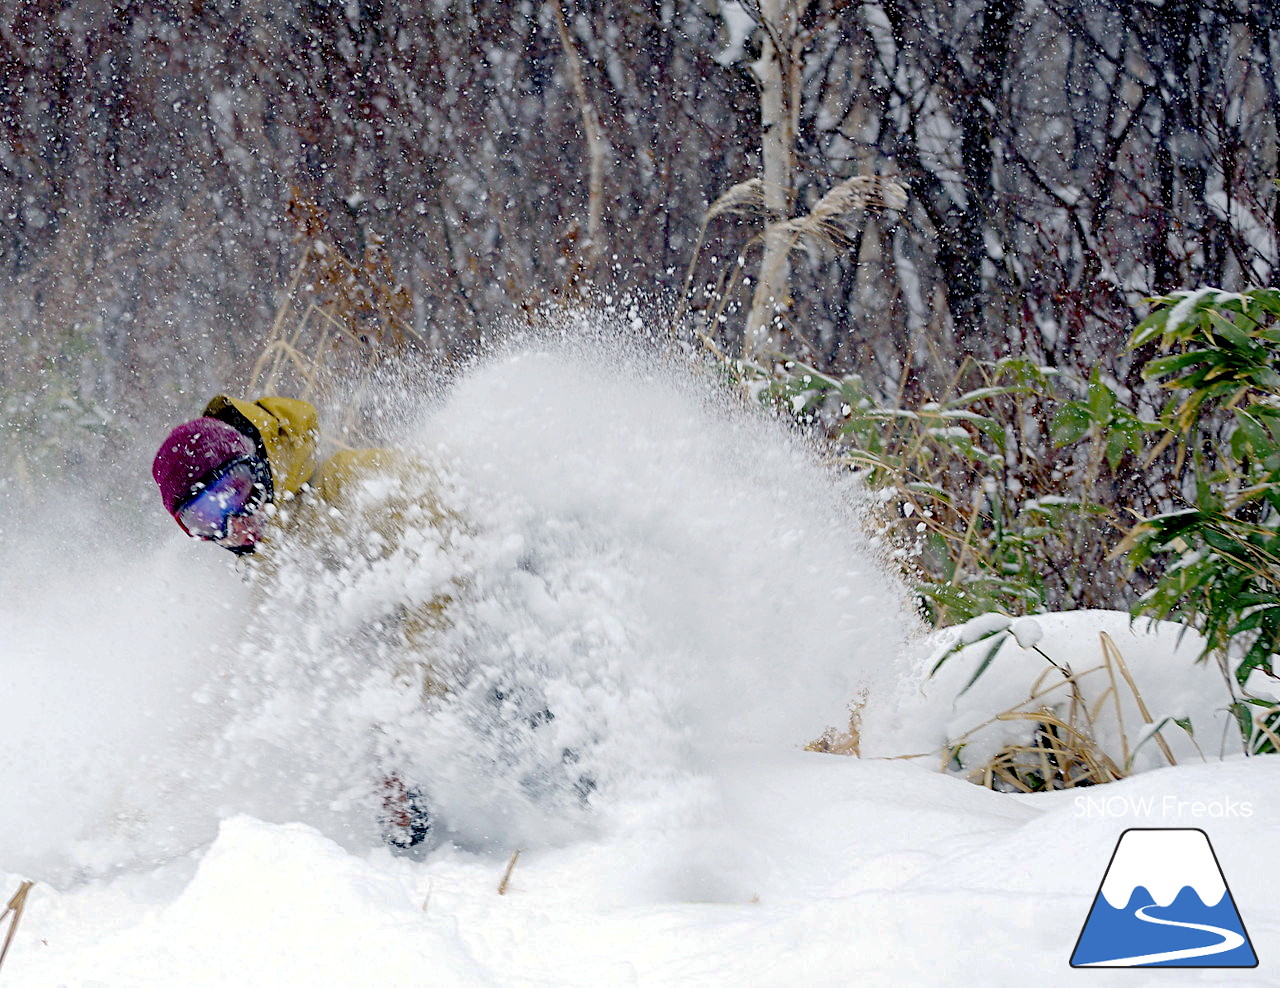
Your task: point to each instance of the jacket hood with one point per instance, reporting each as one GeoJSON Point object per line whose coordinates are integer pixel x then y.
{"type": "Point", "coordinates": [283, 430]}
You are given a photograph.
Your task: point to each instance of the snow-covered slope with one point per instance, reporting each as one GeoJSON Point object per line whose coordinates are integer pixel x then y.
{"type": "Point", "coordinates": [819, 870]}
{"type": "Point", "coordinates": [192, 764]}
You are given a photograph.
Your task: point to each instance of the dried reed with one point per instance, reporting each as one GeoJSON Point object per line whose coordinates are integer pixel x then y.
{"type": "Point", "coordinates": [15, 907]}
{"type": "Point", "coordinates": [861, 193]}
{"type": "Point", "coordinates": [847, 742]}
{"type": "Point", "coordinates": [336, 322]}
{"type": "Point", "coordinates": [825, 223]}
{"type": "Point", "coordinates": [745, 197]}
{"type": "Point", "coordinates": [506, 875]}
{"type": "Point", "coordinates": [1062, 752]}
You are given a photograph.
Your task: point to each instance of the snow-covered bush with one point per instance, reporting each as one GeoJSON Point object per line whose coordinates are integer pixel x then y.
{"type": "Point", "coordinates": [1069, 699]}
{"type": "Point", "coordinates": [1014, 497]}
{"type": "Point", "coordinates": [991, 511]}
{"type": "Point", "coordinates": [1219, 542]}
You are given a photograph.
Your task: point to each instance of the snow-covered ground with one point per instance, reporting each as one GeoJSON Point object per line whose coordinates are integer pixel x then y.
{"type": "Point", "coordinates": [191, 762]}
{"type": "Point", "coordinates": [817, 870]}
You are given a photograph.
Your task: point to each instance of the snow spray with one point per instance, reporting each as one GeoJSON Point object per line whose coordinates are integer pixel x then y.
{"type": "Point", "coordinates": [642, 576]}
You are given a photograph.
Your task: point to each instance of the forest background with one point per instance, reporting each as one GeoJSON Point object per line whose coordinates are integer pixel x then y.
{"type": "Point", "coordinates": [180, 180]}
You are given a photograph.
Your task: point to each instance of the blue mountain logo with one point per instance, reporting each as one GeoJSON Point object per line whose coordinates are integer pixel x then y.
{"type": "Point", "coordinates": [1164, 902]}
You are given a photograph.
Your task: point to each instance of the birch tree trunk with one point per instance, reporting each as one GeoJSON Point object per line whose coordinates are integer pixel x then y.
{"type": "Point", "coordinates": [597, 148]}
{"type": "Point", "coordinates": [778, 71]}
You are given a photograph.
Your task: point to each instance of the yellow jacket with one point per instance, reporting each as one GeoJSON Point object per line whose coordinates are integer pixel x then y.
{"type": "Point", "coordinates": [286, 432]}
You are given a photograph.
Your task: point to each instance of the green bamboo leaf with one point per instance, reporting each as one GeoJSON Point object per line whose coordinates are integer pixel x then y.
{"type": "Point", "coordinates": [1117, 446]}
{"type": "Point", "coordinates": [1152, 326]}
{"type": "Point", "coordinates": [1234, 335]}
{"type": "Point", "coordinates": [983, 394]}
{"type": "Point", "coordinates": [1101, 400]}
{"type": "Point", "coordinates": [1258, 657]}
{"type": "Point", "coordinates": [986, 661]}
{"type": "Point", "coordinates": [1163, 366]}
{"type": "Point", "coordinates": [1070, 423]}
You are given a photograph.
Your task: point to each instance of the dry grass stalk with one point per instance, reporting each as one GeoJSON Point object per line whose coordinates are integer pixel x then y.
{"type": "Point", "coordinates": [1063, 753]}
{"type": "Point", "coordinates": [1112, 654]}
{"type": "Point", "coordinates": [337, 321]}
{"type": "Point", "coordinates": [16, 905]}
{"type": "Point", "coordinates": [824, 223]}
{"type": "Point", "coordinates": [1113, 691]}
{"type": "Point", "coordinates": [1261, 726]}
{"type": "Point", "coordinates": [506, 875]}
{"type": "Point", "coordinates": [741, 198]}
{"type": "Point", "coordinates": [745, 197]}
{"type": "Point", "coordinates": [861, 193]}
{"type": "Point", "coordinates": [849, 742]}
{"type": "Point", "coordinates": [1059, 757]}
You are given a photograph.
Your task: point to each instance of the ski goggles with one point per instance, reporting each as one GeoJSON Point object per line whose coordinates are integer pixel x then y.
{"type": "Point", "coordinates": [238, 487]}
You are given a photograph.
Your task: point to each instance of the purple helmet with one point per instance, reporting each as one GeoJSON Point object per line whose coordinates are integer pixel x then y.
{"type": "Point", "coordinates": [192, 451]}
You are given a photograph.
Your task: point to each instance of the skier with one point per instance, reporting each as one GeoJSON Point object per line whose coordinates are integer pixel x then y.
{"type": "Point", "coordinates": [223, 478]}
{"type": "Point", "coordinates": [221, 474]}
{"type": "Point", "coordinates": [245, 471]}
